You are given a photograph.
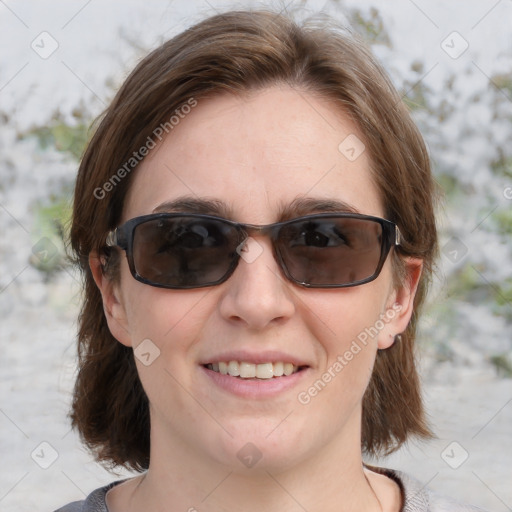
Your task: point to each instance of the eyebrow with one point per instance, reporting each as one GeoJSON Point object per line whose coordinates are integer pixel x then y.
{"type": "Point", "coordinates": [190, 204]}
{"type": "Point", "coordinates": [297, 208]}
{"type": "Point", "coordinates": [307, 205]}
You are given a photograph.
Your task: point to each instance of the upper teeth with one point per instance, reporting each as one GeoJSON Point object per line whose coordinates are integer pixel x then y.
{"type": "Point", "coordinates": [250, 370]}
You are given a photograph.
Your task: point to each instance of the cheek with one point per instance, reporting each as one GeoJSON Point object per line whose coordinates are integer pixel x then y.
{"type": "Point", "coordinates": [167, 316]}
{"type": "Point", "coordinates": [167, 322]}
{"type": "Point", "coordinates": [338, 317]}
{"type": "Point", "coordinates": [166, 327]}
{"type": "Point", "coordinates": [345, 324]}
{"type": "Point", "coordinates": [155, 313]}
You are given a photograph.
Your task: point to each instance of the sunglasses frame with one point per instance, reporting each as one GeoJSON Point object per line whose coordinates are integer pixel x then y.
{"type": "Point", "coordinates": [123, 237]}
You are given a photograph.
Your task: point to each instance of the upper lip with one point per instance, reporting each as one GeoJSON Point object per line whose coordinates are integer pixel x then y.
{"type": "Point", "coordinates": [255, 357]}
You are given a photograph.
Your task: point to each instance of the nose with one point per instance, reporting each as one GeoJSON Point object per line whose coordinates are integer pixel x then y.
{"type": "Point", "coordinates": [257, 295]}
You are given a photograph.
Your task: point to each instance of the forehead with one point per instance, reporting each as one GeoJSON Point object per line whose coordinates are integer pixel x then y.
{"type": "Point", "coordinates": [256, 155]}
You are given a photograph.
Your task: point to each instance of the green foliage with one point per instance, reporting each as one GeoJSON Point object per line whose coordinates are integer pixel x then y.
{"type": "Point", "coordinates": [503, 82]}
{"type": "Point", "coordinates": [502, 364]}
{"type": "Point", "coordinates": [503, 293]}
{"type": "Point", "coordinates": [466, 283]}
{"type": "Point", "coordinates": [503, 221]}
{"type": "Point", "coordinates": [371, 28]}
{"type": "Point", "coordinates": [63, 137]}
{"type": "Point", "coordinates": [502, 166]}
{"type": "Point", "coordinates": [415, 96]}
{"type": "Point", "coordinates": [52, 216]}
{"type": "Point", "coordinates": [448, 183]}
{"type": "Point", "coordinates": [52, 221]}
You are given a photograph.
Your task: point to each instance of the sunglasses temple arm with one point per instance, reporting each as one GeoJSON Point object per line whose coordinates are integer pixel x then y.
{"type": "Point", "coordinates": [398, 236]}
{"type": "Point", "coordinates": [111, 240]}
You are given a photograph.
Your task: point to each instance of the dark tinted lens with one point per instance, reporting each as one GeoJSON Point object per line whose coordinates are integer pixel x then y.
{"type": "Point", "coordinates": [331, 251]}
{"type": "Point", "coordinates": [184, 251]}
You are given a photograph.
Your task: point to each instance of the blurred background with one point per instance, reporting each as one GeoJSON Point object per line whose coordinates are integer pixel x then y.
{"type": "Point", "coordinates": [60, 65]}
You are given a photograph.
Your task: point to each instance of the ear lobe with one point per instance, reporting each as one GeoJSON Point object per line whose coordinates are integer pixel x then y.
{"type": "Point", "coordinates": [112, 305]}
{"type": "Point", "coordinates": [399, 313]}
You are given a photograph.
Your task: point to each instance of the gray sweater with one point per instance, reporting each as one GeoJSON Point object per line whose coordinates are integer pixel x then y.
{"type": "Point", "coordinates": [415, 497]}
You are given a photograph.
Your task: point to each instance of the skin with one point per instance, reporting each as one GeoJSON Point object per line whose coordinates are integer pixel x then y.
{"type": "Point", "coordinates": [256, 155]}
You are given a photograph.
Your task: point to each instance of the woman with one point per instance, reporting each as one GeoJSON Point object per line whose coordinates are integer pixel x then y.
{"type": "Point", "coordinates": [254, 220]}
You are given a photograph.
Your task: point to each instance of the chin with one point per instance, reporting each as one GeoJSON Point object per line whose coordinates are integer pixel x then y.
{"type": "Point", "coordinates": [258, 446]}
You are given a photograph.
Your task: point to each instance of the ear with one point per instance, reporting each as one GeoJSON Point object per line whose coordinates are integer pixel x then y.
{"type": "Point", "coordinates": [400, 304]}
{"type": "Point", "coordinates": [113, 307]}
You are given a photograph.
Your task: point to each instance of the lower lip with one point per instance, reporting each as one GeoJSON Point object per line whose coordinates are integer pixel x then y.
{"type": "Point", "coordinates": [255, 388]}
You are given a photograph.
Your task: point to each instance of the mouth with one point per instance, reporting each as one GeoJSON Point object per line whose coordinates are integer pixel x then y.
{"type": "Point", "coordinates": [250, 371]}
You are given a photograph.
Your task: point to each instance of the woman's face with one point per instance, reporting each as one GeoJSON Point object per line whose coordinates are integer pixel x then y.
{"type": "Point", "coordinates": [257, 157]}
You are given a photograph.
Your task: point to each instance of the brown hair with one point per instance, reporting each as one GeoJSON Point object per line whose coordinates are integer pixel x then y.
{"type": "Point", "coordinates": [236, 52]}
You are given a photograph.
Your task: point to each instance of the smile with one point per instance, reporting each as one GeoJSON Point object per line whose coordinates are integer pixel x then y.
{"type": "Point", "coordinates": [245, 370]}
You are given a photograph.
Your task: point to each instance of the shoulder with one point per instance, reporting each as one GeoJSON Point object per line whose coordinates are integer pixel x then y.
{"type": "Point", "coordinates": [418, 498]}
{"type": "Point", "coordinates": [95, 502]}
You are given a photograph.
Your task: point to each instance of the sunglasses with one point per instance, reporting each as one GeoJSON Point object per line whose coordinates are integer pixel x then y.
{"type": "Point", "coordinates": [182, 251]}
